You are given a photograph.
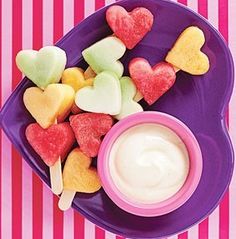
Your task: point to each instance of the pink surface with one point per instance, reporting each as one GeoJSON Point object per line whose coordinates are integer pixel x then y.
{"type": "Point", "coordinates": [27, 23]}
{"type": "Point", "coordinates": [195, 160]}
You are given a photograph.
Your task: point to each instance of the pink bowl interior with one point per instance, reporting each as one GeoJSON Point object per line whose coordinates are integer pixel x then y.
{"type": "Point", "coordinates": [171, 203]}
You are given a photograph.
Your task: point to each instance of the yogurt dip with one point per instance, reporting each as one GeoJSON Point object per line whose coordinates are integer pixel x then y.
{"type": "Point", "coordinates": [148, 163]}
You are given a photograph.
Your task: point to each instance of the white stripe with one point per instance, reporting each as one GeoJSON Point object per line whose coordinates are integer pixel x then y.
{"type": "Point", "coordinates": [68, 19]}
{"type": "Point", "coordinates": [89, 232]}
{"type": "Point", "coordinates": [110, 235]}
{"type": "Point", "coordinates": [89, 8]}
{"type": "Point", "coordinates": [107, 2]}
{"type": "Point", "coordinates": [232, 119]}
{"type": "Point", "coordinates": [68, 224]}
{"type": "Point", "coordinates": [26, 201]}
{"type": "Point", "coordinates": [68, 23]}
{"type": "Point", "coordinates": [173, 237]}
{"type": "Point", "coordinates": [213, 228]}
{"type": "Point", "coordinates": [47, 213]}
{"type": "Point", "coordinates": [193, 4]}
{"type": "Point", "coordinates": [6, 160]}
{"type": "Point", "coordinates": [193, 232]}
{"type": "Point", "coordinates": [6, 188]}
{"type": "Point", "coordinates": [213, 12]}
{"type": "Point", "coordinates": [26, 170]}
{"type": "Point", "coordinates": [47, 194]}
{"type": "Point", "coordinates": [47, 22]}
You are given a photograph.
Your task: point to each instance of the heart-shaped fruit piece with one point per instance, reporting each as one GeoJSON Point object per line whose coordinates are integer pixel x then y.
{"type": "Point", "coordinates": [50, 105]}
{"type": "Point", "coordinates": [51, 143]}
{"type": "Point", "coordinates": [186, 53]}
{"type": "Point", "coordinates": [152, 82]}
{"type": "Point", "coordinates": [103, 97]}
{"type": "Point", "coordinates": [128, 92]}
{"type": "Point", "coordinates": [130, 27]}
{"type": "Point", "coordinates": [88, 129]}
{"type": "Point", "coordinates": [104, 55]}
{"type": "Point", "coordinates": [43, 67]}
{"type": "Point", "coordinates": [78, 175]}
{"type": "Point", "coordinates": [74, 77]}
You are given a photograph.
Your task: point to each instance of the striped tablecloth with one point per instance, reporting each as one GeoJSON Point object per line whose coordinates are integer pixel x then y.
{"type": "Point", "coordinates": [27, 207]}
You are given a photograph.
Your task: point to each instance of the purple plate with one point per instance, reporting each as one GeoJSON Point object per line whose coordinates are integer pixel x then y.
{"type": "Point", "coordinates": [199, 101]}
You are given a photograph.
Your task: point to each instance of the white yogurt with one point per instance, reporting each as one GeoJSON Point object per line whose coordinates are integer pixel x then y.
{"type": "Point", "coordinates": [149, 163]}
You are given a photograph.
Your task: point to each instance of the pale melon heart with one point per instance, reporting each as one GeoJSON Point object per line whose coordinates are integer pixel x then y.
{"type": "Point", "coordinates": [128, 92]}
{"type": "Point", "coordinates": [105, 54]}
{"type": "Point", "coordinates": [43, 67]}
{"type": "Point", "coordinates": [103, 97]}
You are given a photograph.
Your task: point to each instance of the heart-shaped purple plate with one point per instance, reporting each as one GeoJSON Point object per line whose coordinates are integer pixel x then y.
{"type": "Point", "coordinates": [199, 101]}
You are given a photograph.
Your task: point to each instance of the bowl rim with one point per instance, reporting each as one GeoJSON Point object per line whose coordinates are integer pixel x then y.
{"type": "Point", "coordinates": [171, 203]}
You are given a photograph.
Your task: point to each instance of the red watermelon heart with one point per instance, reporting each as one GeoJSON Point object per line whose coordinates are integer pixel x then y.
{"type": "Point", "coordinates": [51, 143]}
{"type": "Point", "coordinates": [130, 27]}
{"type": "Point", "coordinates": [152, 82]}
{"type": "Point", "coordinates": [88, 129]}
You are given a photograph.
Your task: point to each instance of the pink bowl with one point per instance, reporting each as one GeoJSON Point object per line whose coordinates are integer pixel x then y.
{"type": "Point", "coordinates": [170, 204]}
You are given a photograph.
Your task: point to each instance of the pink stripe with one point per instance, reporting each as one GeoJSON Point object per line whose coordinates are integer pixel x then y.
{"type": "Point", "coordinates": [78, 11]}
{"type": "Point", "coordinates": [27, 231]}
{"type": "Point", "coordinates": [17, 160]}
{"type": "Point", "coordinates": [57, 34]}
{"type": "Point", "coordinates": [183, 2]}
{"type": "Point", "coordinates": [6, 163]}
{"type": "Point", "coordinates": [57, 220]}
{"type": "Point", "coordinates": [99, 4]}
{"type": "Point", "coordinates": [232, 117]}
{"type": "Point", "coordinates": [99, 233]}
{"type": "Point", "coordinates": [223, 18]}
{"type": "Point", "coordinates": [47, 213]}
{"type": "Point", "coordinates": [68, 17]}
{"type": "Point", "coordinates": [119, 237]}
{"type": "Point", "coordinates": [183, 235]}
{"type": "Point", "coordinates": [224, 206]}
{"type": "Point", "coordinates": [1, 132]}
{"type": "Point", "coordinates": [6, 180]}
{"type": "Point", "coordinates": [224, 217]}
{"type": "Point", "coordinates": [79, 226]}
{"type": "Point", "coordinates": [203, 229]}
{"type": "Point", "coordinates": [37, 183]}
{"type": "Point", "coordinates": [202, 8]}
{"type": "Point", "coordinates": [58, 20]}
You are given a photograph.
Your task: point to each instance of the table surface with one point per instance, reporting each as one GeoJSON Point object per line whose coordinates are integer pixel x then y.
{"type": "Point", "coordinates": [27, 207]}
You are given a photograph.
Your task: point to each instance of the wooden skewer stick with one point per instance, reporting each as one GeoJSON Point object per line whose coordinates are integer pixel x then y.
{"type": "Point", "coordinates": [56, 177]}
{"type": "Point", "coordinates": [138, 96]}
{"type": "Point", "coordinates": [66, 199]}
